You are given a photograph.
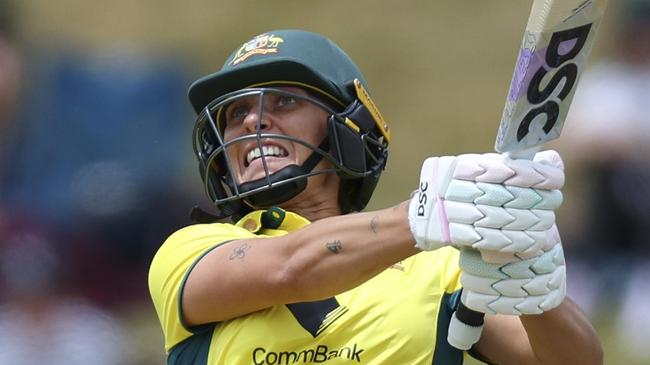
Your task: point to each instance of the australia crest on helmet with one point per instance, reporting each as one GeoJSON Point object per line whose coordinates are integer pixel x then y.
{"type": "Point", "coordinates": [266, 43]}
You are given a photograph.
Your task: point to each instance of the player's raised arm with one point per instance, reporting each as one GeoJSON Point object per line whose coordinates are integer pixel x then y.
{"type": "Point", "coordinates": [325, 258]}
{"type": "Point", "coordinates": [290, 148]}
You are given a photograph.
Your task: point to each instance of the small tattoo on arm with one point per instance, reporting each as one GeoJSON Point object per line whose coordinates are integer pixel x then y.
{"type": "Point", "coordinates": [374, 224]}
{"type": "Point", "coordinates": [239, 252]}
{"type": "Point", "coordinates": [334, 246]}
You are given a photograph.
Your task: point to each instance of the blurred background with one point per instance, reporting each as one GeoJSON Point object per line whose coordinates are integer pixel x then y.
{"type": "Point", "coordinates": [96, 166]}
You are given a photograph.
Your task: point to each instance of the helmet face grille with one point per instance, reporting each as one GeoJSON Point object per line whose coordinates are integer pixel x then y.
{"type": "Point", "coordinates": [349, 151]}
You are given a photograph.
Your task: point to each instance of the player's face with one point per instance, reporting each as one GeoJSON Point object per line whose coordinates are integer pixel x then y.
{"type": "Point", "coordinates": [282, 114]}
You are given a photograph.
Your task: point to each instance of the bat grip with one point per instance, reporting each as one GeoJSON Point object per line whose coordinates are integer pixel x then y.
{"type": "Point", "coordinates": [466, 324]}
{"type": "Point", "coordinates": [526, 154]}
{"type": "Point", "coordinates": [465, 327]}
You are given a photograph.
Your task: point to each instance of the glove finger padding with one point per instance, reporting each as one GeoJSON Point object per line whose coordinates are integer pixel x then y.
{"type": "Point", "coordinates": [505, 246]}
{"type": "Point", "coordinates": [486, 201]}
{"type": "Point", "coordinates": [545, 171]}
{"type": "Point", "coordinates": [550, 158]}
{"type": "Point", "coordinates": [529, 286]}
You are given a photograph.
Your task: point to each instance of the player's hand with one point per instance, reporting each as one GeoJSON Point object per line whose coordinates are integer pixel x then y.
{"type": "Point", "coordinates": [523, 286]}
{"type": "Point", "coordinates": [503, 206]}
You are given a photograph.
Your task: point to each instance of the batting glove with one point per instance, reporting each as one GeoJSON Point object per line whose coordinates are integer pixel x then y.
{"type": "Point", "coordinates": [530, 286]}
{"type": "Point", "coordinates": [491, 202]}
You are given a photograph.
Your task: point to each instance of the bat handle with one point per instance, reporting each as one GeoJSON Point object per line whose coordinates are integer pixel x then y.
{"type": "Point", "coordinates": [526, 154]}
{"type": "Point", "coordinates": [465, 327]}
{"type": "Point", "coordinates": [466, 324]}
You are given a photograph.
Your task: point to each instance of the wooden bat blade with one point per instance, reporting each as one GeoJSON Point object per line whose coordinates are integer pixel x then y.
{"type": "Point", "coordinates": [554, 50]}
{"type": "Point", "coordinates": [557, 41]}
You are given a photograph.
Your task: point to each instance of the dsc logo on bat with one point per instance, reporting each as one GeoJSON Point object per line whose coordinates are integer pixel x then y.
{"type": "Point", "coordinates": [556, 55]}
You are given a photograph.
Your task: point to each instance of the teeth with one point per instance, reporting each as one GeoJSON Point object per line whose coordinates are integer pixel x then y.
{"type": "Point", "coordinates": [267, 150]}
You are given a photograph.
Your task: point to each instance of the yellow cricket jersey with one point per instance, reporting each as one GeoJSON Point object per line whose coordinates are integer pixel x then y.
{"type": "Point", "coordinates": [399, 317]}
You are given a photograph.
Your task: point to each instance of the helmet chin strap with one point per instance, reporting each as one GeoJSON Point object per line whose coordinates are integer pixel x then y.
{"type": "Point", "coordinates": [278, 194]}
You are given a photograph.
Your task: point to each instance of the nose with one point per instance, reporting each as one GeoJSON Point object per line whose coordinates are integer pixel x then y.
{"type": "Point", "coordinates": [254, 118]}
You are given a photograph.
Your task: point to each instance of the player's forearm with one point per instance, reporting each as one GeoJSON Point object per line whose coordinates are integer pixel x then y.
{"type": "Point", "coordinates": [323, 259]}
{"type": "Point", "coordinates": [336, 254]}
{"type": "Point", "coordinates": [563, 336]}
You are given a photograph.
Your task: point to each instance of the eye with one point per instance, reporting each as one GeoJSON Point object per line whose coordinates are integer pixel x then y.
{"type": "Point", "coordinates": [238, 112]}
{"type": "Point", "coordinates": [285, 100]}
{"type": "Point", "coordinates": [235, 113]}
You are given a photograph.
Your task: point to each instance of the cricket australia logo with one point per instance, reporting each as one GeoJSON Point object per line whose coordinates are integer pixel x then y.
{"type": "Point", "coordinates": [260, 45]}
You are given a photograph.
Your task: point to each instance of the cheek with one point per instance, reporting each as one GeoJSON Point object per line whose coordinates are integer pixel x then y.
{"type": "Point", "coordinates": [317, 130]}
{"type": "Point", "coordinates": [228, 134]}
{"type": "Point", "coordinates": [322, 131]}
{"type": "Point", "coordinates": [232, 149]}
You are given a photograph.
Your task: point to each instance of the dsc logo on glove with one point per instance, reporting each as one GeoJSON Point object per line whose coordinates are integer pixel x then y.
{"type": "Point", "coordinates": [422, 198]}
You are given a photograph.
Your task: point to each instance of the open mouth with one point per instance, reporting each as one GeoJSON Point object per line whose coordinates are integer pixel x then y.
{"type": "Point", "coordinates": [267, 151]}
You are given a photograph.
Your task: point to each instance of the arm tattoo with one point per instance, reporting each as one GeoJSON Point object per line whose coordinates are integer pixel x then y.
{"type": "Point", "coordinates": [374, 224]}
{"type": "Point", "coordinates": [240, 252]}
{"type": "Point", "coordinates": [334, 246]}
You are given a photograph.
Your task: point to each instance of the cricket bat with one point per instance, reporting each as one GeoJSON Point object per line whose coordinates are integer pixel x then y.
{"type": "Point", "coordinates": [556, 44]}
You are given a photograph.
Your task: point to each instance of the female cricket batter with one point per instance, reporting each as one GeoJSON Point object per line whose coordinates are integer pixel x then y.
{"type": "Point", "coordinates": [290, 148]}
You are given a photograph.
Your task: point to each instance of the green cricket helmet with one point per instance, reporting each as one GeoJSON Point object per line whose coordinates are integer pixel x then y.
{"type": "Point", "coordinates": [357, 136]}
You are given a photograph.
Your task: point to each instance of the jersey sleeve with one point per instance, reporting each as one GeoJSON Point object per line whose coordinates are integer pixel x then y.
{"type": "Point", "coordinates": [171, 265]}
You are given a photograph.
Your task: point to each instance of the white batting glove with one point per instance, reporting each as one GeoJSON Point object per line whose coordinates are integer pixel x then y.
{"type": "Point", "coordinates": [519, 278]}
{"type": "Point", "coordinates": [491, 202]}
{"type": "Point", "coordinates": [530, 286]}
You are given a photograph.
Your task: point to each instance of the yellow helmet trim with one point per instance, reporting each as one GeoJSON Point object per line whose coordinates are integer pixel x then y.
{"type": "Point", "coordinates": [352, 125]}
{"type": "Point", "coordinates": [365, 99]}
